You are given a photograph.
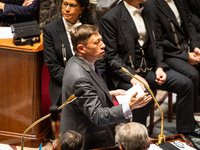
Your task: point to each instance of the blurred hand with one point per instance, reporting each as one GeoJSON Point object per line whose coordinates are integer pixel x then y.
{"type": "Point", "coordinates": [115, 93]}
{"type": "Point", "coordinates": [2, 5]}
{"type": "Point", "coordinates": [27, 2]}
{"type": "Point", "coordinates": [197, 51]}
{"type": "Point", "coordinates": [160, 76]}
{"type": "Point", "coordinates": [137, 102]}
{"type": "Point", "coordinates": [135, 81]}
{"type": "Point", "coordinates": [193, 59]}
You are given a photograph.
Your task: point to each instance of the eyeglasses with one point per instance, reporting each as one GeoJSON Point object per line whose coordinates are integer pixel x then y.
{"type": "Point", "coordinates": [72, 5]}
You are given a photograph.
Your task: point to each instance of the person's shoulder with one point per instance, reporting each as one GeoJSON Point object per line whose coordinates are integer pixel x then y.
{"type": "Point", "coordinates": [52, 24]}
{"type": "Point", "coordinates": [114, 11]}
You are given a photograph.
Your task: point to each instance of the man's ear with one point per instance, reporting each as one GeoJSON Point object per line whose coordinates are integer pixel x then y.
{"type": "Point", "coordinates": [81, 48]}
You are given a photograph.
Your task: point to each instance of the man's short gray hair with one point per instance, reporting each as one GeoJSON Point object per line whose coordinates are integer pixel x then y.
{"type": "Point", "coordinates": [132, 136]}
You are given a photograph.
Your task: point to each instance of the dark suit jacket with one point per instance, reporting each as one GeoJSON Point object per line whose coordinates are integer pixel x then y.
{"type": "Point", "coordinates": [93, 114]}
{"type": "Point", "coordinates": [193, 12]}
{"type": "Point", "coordinates": [54, 35]}
{"type": "Point", "coordinates": [187, 31]}
{"type": "Point", "coordinates": [119, 32]}
{"type": "Point", "coordinates": [14, 12]}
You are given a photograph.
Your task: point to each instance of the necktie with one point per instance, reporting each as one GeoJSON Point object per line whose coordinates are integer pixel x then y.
{"type": "Point", "coordinates": [96, 70]}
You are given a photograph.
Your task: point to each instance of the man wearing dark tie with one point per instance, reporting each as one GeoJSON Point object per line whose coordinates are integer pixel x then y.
{"type": "Point", "coordinates": [129, 32]}
{"type": "Point", "coordinates": [93, 114]}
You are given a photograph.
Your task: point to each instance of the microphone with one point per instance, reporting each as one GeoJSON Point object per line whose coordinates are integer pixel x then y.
{"type": "Point", "coordinates": [76, 94]}
{"type": "Point", "coordinates": [55, 123]}
{"type": "Point", "coordinates": [114, 64]}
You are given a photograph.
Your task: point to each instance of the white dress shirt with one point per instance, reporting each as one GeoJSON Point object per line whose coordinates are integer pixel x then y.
{"type": "Point", "coordinates": [68, 27]}
{"type": "Point", "coordinates": [175, 10]}
{"type": "Point", "coordinates": [139, 22]}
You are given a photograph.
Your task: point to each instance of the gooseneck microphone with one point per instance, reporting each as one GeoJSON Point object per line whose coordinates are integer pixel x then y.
{"type": "Point", "coordinates": [55, 123]}
{"type": "Point", "coordinates": [76, 94]}
{"type": "Point", "coordinates": [114, 64]}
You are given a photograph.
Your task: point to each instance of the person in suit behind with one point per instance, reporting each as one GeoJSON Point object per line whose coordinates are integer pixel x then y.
{"type": "Point", "coordinates": [193, 8]}
{"type": "Point", "coordinates": [57, 43]}
{"type": "Point", "coordinates": [93, 114]}
{"type": "Point", "coordinates": [129, 32]}
{"type": "Point", "coordinates": [181, 45]}
{"type": "Point", "coordinates": [132, 136]}
{"type": "Point", "coordinates": [15, 11]}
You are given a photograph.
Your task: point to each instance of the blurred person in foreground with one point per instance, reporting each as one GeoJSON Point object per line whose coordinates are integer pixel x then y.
{"type": "Point", "coordinates": [132, 136]}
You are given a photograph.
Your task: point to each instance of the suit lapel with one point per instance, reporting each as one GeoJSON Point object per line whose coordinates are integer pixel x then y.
{"type": "Point", "coordinates": [64, 38]}
{"type": "Point", "coordinates": [94, 76]}
{"type": "Point", "coordinates": [128, 29]}
{"type": "Point", "coordinates": [166, 10]}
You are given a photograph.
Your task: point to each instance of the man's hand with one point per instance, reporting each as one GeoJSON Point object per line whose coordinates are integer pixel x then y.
{"type": "Point", "coordinates": [2, 5]}
{"type": "Point", "coordinates": [197, 51]}
{"type": "Point", "coordinates": [193, 59]}
{"type": "Point", "coordinates": [135, 81]}
{"type": "Point", "coordinates": [137, 102]}
{"type": "Point", "coordinates": [115, 93]}
{"type": "Point", "coordinates": [160, 76]}
{"type": "Point", "coordinates": [27, 2]}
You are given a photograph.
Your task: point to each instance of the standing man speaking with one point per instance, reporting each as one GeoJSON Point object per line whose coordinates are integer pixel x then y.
{"type": "Point", "coordinates": [93, 114]}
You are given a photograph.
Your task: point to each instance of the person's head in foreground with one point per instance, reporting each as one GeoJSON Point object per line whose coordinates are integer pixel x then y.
{"type": "Point", "coordinates": [71, 140]}
{"type": "Point", "coordinates": [132, 136]}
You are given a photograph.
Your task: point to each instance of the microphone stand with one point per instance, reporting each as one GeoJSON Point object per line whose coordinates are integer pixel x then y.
{"type": "Point", "coordinates": [70, 99]}
{"type": "Point", "coordinates": [161, 137]}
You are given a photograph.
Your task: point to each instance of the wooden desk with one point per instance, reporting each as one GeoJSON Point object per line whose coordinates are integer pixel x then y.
{"type": "Point", "coordinates": [20, 93]}
{"type": "Point", "coordinates": [179, 137]}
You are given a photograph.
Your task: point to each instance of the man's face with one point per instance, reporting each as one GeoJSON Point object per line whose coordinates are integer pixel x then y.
{"type": "Point", "coordinates": [71, 10]}
{"type": "Point", "coordinates": [94, 50]}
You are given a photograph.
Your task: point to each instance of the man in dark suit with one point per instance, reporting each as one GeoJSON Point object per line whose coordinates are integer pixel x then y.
{"type": "Point", "coordinates": [180, 43]}
{"type": "Point", "coordinates": [93, 114]}
{"type": "Point", "coordinates": [15, 11]}
{"type": "Point", "coordinates": [129, 34]}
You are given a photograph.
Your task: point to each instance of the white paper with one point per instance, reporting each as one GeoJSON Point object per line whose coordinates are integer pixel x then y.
{"type": "Point", "coordinates": [154, 147]}
{"type": "Point", "coordinates": [5, 147]}
{"type": "Point", "coordinates": [5, 33]}
{"type": "Point", "coordinates": [125, 98]}
{"type": "Point", "coordinates": [185, 146]}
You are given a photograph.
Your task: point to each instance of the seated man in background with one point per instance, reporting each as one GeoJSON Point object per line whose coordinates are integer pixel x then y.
{"type": "Point", "coordinates": [129, 34]}
{"type": "Point", "coordinates": [192, 8]}
{"type": "Point", "coordinates": [93, 114]}
{"type": "Point", "coordinates": [132, 136]}
{"type": "Point", "coordinates": [15, 11]}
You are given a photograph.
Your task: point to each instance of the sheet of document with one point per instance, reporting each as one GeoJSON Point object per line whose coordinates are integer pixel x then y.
{"type": "Point", "coordinates": [183, 146]}
{"type": "Point", "coordinates": [125, 98]}
{"type": "Point", "coordinates": [154, 147]}
{"type": "Point", "coordinates": [5, 147]}
{"type": "Point", "coordinates": [5, 33]}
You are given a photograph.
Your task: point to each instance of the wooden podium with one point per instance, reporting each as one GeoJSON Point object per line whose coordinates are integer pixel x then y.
{"type": "Point", "coordinates": [20, 93]}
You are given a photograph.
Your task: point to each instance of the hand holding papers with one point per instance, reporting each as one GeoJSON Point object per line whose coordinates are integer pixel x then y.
{"type": "Point", "coordinates": [125, 98]}
{"type": "Point", "coordinates": [135, 97]}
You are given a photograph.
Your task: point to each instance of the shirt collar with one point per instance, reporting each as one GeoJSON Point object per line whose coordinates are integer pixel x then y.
{"type": "Point", "coordinates": [88, 62]}
{"type": "Point", "coordinates": [131, 9]}
{"type": "Point", "coordinates": [69, 26]}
